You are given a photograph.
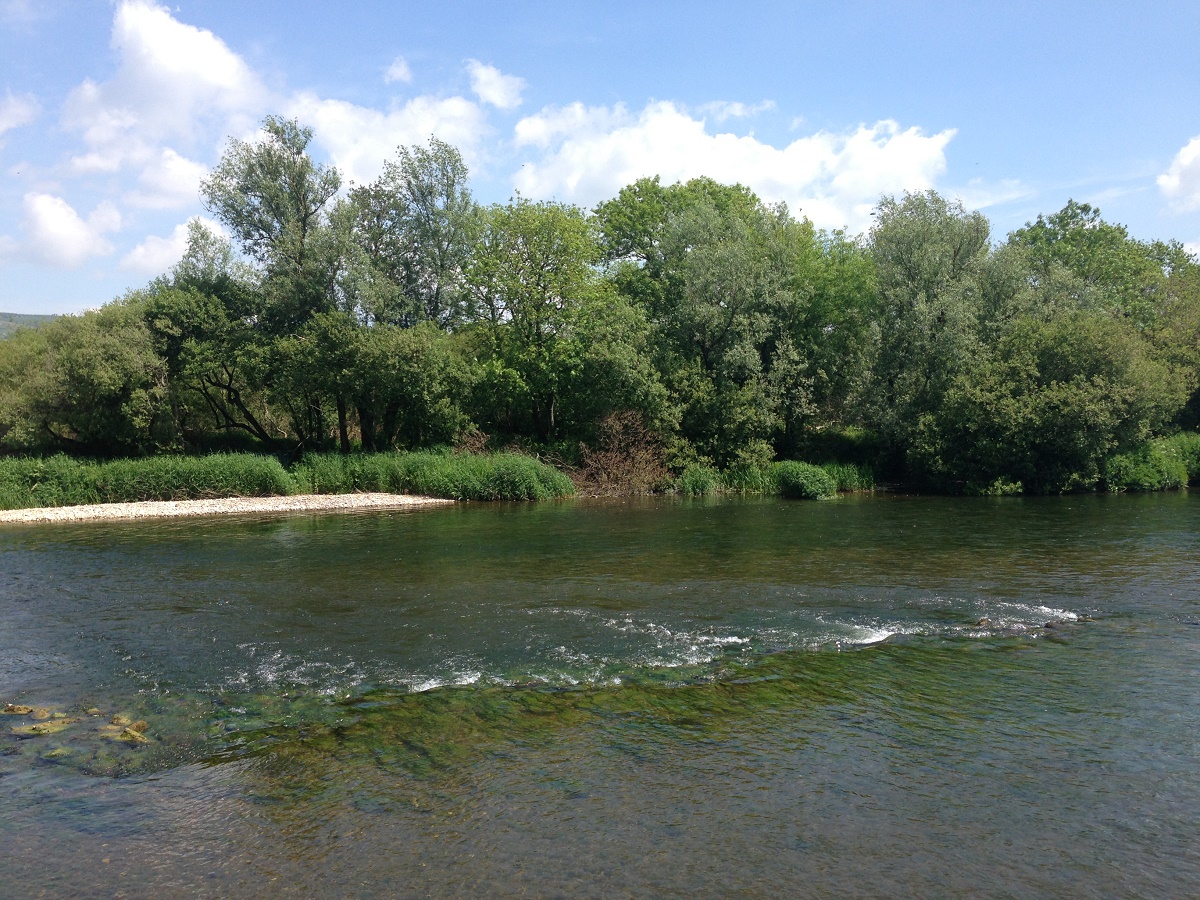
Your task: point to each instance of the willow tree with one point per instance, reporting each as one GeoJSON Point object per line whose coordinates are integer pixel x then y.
{"type": "Point", "coordinates": [275, 201]}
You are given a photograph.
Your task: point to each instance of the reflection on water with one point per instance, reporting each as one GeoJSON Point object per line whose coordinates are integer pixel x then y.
{"type": "Point", "coordinates": [646, 697]}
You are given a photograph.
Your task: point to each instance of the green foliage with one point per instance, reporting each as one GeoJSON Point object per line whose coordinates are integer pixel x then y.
{"type": "Point", "coordinates": [1047, 408]}
{"type": "Point", "coordinates": [501, 476]}
{"type": "Point", "coordinates": [698, 480]}
{"type": "Point", "coordinates": [1126, 275]}
{"type": "Point", "coordinates": [413, 229]}
{"type": "Point", "coordinates": [802, 481]}
{"type": "Point", "coordinates": [928, 252]}
{"type": "Point", "coordinates": [403, 316]}
{"type": "Point", "coordinates": [1158, 465]}
{"type": "Point", "coordinates": [62, 481]}
{"type": "Point", "coordinates": [851, 476]}
{"type": "Point", "coordinates": [90, 383]}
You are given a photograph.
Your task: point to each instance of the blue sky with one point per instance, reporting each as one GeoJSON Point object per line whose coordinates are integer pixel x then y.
{"type": "Point", "coordinates": [111, 112]}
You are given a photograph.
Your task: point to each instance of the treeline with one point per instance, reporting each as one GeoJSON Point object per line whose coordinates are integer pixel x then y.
{"type": "Point", "coordinates": [675, 328]}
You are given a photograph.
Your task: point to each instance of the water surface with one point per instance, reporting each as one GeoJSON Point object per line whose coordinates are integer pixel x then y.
{"type": "Point", "coordinates": [646, 697]}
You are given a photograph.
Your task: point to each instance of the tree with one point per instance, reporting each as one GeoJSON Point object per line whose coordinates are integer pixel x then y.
{"type": "Point", "coordinates": [1126, 276]}
{"type": "Point", "coordinates": [414, 226]}
{"type": "Point", "coordinates": [1048, 405]}
{"type": "Point", "coordinates": [273, 197]}
{"type": "Point", "coordinates": [91, 384]}
{"type": "Point", "coordinates": [928, 253]}
{"type": "Point", "coordinates": [206, 322]}
{"type": "Point", "coordinates": [533, 268]}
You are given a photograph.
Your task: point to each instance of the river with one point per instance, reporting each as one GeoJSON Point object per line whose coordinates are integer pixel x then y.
{"type": "Point", "coordinates": [873, 695]}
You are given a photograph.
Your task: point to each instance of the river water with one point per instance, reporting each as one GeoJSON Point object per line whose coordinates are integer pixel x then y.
{"type": "Point", "coordinates": [652, 697]}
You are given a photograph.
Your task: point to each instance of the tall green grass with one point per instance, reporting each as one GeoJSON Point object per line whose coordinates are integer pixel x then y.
{"type": "Point", "coordinates": [63, 481]}
{"type": "Point", "coordinates": [500, 476]}
{"type": "Point", "coordinates": [789, 478]}
{"type": "Point", "coordinates": [851, 476]}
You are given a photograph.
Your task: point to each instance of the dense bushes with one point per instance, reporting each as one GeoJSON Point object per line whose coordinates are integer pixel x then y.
{"type": "Point", "coordinates": [795, 480]}
{"type": "Point", "coordinates": [1160, 465]}
{"type": "Point", "coordinates": [801, 481]}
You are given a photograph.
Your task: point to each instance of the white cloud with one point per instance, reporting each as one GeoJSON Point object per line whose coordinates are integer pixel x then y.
{"type": "Point", "coordinates": [156, 255]}
{"type": "Point", "coordinates": [398, 71]}
{"type": "Point", "coordinates": [360, 139]}
{"type": "Point", "coordinates": [494, 87]}
{"type": "Point", "coordinates": [587, 154]}
{"type": "Point", "coordinates": [169, 182]}
{"type": "Point", "coordinates": [1180, 184]}
{"type": "Point", "coordinates": [16, 111]}
{"type": "Point", "coordinates": [721, 110]}
{"type": "Point", "coordinates": [59, 236]}
{"type": "Point", "coordinates": [980, 194]}
{"type": "Point", "coordinates": [173, 82]}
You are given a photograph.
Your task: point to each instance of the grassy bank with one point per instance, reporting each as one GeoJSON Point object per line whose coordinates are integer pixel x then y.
{"type": "Point", "coordinates": [499, 476]}
{"type": "Point", "coordinates": [796, 480]}
{"type": "Point", "coordinates": [27, 482]}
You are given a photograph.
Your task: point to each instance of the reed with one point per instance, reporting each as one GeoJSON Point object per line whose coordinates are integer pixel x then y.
{"type": "Point", "coordinates": [453, 476]}
{"type": "Point", "coordinates": [62, 481]}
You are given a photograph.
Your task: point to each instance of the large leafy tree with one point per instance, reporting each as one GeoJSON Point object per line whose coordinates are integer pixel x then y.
{"type": "Point", "coordinates": [1047, 405]}
{"type": "Point", "coordinates": [413, 228]}
{"type": "Point", "coordinates": [928, 253]}
{"type": "Point", "coordinates": [89, 384]}
{"type": "Point", "coordinates": [276, 200]}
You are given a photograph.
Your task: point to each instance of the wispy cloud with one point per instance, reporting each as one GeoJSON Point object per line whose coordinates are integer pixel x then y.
{"type": "Point", "coordinates": [398, 71]}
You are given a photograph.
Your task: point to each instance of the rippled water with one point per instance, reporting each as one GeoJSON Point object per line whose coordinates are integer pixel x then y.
{"type": "Point", "coordinates": [872, 695]}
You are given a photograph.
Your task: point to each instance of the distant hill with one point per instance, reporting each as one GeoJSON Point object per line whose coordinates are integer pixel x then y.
{"type": "Point", "coordinates": [10, 322]}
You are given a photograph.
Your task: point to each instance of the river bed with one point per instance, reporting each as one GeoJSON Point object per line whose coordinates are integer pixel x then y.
{"type": "Point", "coordinates": [660, 697]}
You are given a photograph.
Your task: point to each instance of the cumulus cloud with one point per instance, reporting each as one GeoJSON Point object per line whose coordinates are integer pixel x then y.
{"type": "Point", "coordinates": [398, 71]}
{"type": "Point", "coordinates": [156, 255]}
{"type": "Point", "coordinates": [173, 82]}
{"type": "Point", "coordinates": [586, 154]}
{"type": "Point", "coordinates": [16, 111]}
{"type": "Point", "coordinates": [169, 181]}
{"type": "Point", "coordinates": [494, 87]}
{"type": "Point", "coordinates": [58, 236]}
{"type": "Point", "coordinates": [359, 138]}
{"type": "Point", "coordinates": [1180, 184]}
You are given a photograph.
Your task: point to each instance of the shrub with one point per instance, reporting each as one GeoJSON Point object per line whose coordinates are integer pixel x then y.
{"type": "Point", "coordinates": [1159, 465]}
{"type": "Point", "coordinates": [851, 476]}
{"type": "Point", "coordinates": [802, 481]}
{"type": "Point", "coordinates": [698, 480]}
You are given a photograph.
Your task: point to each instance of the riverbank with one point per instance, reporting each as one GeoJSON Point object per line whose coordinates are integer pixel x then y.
{"type": "Point", "coordinates": [149, 509]}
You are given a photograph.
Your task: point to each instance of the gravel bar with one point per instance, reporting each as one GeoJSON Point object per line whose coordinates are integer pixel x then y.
{"type": "Point", "coordinates": [150, 509]}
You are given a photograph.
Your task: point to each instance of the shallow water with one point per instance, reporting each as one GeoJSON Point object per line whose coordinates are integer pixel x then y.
{"type": "Point", "coordinates": [651, 697]}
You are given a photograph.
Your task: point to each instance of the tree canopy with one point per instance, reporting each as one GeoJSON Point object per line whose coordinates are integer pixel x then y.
{"type": "Point", "coordinates": [720, 329]}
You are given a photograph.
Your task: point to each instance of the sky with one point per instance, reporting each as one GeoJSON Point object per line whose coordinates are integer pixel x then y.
{"type": "Point", "coordinates": [111, 113]}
